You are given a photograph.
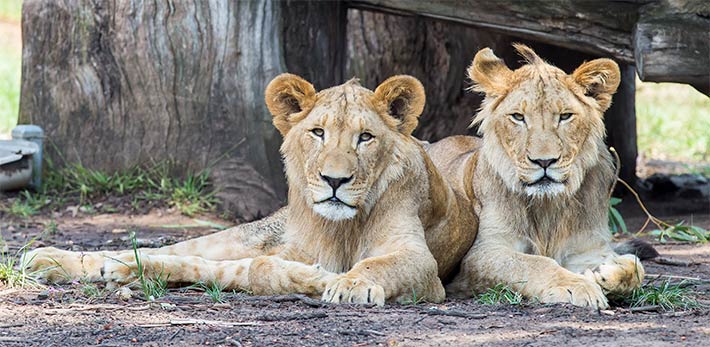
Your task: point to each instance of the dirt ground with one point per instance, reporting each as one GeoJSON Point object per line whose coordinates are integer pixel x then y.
{"type": "Point", "coordinates": [64, 316]}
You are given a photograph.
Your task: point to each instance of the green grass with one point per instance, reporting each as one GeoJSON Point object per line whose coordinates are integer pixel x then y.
{"type": "Point", "coordinates": [13, 269]}
{"type": "Point", "coordinates": [10, 10]}
{"type": "Point", "coordinates": [500, 294]}
{"type": "Point", "coordinates": [78, 185]}
{"type": "Point", "coordinates": [214, 290]}
{"type": "Point", "coordinates": [672, 122]}
{"type": "Point", "coordinates": [152, 287]}
{"type": "Point", "coordinates": [668, 296]}
{"type": "Point", "coordinates": [414, 299]}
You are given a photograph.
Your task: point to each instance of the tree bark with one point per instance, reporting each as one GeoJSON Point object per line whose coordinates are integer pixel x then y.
{"type": "Point", "coordinates": [124, 83]}
{"type": "Point", "coordinates": [667, 39]}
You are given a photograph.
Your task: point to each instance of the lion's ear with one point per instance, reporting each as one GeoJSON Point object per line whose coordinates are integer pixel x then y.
{"type": "Point", "coordinates": [599, 79]}
{"type": "Point", "coordinates": [288, 98]}
{"type": "Point", "coordinates": [402, 98]}
{"type": "Point", "coordinates": [489, 73]}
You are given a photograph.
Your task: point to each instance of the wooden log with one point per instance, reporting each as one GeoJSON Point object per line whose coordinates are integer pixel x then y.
{"type": "Point", "coordinates": [620, 121]}
{"type": "Point", "coordinates": [124, 83]}
{"type": "Point", "coordinates": [667, 40]}
{"type": "Point", "coordinates": [595, 27]}
{"type": "Point", "coordinates": [672, 43]}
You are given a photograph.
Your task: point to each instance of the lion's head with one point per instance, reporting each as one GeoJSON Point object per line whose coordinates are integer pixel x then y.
{"type": "Point", "coordinates": [542, 128]}
{"type": "Point", "coordinates": [342, 145]}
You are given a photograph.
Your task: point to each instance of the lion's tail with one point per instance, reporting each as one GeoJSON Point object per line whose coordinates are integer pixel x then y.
{"type": "Point", "coordinates": [640, 248]}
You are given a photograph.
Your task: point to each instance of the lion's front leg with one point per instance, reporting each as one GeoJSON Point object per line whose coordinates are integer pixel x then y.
{"type": "Point", "coordinates": [272, 275]}
{"type": "Point", "coordinates": [407, 272]}
{"type": "Point", "coordinates": [230, 274]}
{"type": "Point", "coordinates": [57, 265]}
{"type": "Point", "coordinates": [536, 277]}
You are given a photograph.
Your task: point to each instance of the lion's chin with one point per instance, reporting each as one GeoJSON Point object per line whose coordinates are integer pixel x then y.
{"type": "Point", "coordinates": [545, 189]}
{"type": "Point", "coordinates": [335, 211]}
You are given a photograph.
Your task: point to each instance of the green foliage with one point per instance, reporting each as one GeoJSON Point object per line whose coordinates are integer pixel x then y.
{"type": "Point", "coordinates": [616, 221]}
{"type": "Point", "coordinates": [10, 64]}
{"type": "Point", "coordinates": [672, 122]}
{"type": "Point", "coordinates": [10, 10]}
{"type": "Point", "coordinates": [215, 290]}
{"type": "Point", "coordinates": [90, 290]}
{"type": "Point", "coordinates": [13, 268]}
{"type": "Point", "coordinates": [666, 295]}
{"type": "Point", "coordinates": [500, 294]}
{"type": "Point", "coordinates": [152, 287]}
{"type": "Point", "coordinates": [414, 300]}
{"type": "Point", "coordinates": [681, 232]}
{"type": "Point", "coordinates": [77, 184]}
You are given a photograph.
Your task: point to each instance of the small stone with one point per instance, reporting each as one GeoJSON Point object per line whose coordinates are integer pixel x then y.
{"type": "Point", "coordinates": [124, 293]}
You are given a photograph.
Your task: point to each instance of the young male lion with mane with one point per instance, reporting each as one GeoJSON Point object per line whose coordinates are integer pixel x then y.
{"type": "Point", "coordinates": [366, 209]}
{"type": "Point", "coordinates": [542, 175]}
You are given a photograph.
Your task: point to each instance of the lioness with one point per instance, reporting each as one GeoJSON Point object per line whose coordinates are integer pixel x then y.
{"type": "Point", "coordinates": [365, 207]}
{"type": "Point", "coordinates": [542, 175]}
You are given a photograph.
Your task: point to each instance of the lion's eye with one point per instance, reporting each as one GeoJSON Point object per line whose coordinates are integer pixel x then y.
{"type": "Point", "coordinates": [565, 116]}
{"type": "Point", "coordinates": [364, 137]}
{"type": "Point", "coordinates": [518, 117]}
{"type": "Point", "coordinates": [318, 132]}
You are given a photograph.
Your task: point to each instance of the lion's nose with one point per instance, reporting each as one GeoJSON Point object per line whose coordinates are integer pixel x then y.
{"type": "Point", "coordinates": [335, 182]}
{"type": "Point", "coordinates": [544, 163]}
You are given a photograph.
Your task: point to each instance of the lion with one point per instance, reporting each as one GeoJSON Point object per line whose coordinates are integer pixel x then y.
{"type": "Point", "coordinates": [541, 175]}
{"type": "Point", "coordinates": [369, 218]}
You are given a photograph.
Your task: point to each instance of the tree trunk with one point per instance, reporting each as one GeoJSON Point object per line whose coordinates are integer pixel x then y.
{"type": "Point", "coordinates": [124, 83]}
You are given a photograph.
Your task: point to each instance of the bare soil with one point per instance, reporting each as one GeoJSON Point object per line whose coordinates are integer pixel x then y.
{"type": "Point", "coordinates": [65, 316]}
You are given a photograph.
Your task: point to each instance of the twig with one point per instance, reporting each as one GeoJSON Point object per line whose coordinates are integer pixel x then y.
{"type": "Point", "coordinates": [365, 332]}
{"type": "Point", "coordinates": [617, 169]}
{"type": "Point", "coordinates": [96, 307]}
{"type": "Point", "coordinates": [453, 313]}
{"type": "Point", "coordinates": [649, 308]}
{"type": "Point", "coordinates": [655, 276]}
{"type": "Point", "coordinates": [286, 298]}
{"type": "Point", "coordinates": [197, 322]}
{"type": "Point", "coordinates": [175, 334]}
{"type": "Point", "coordinates": [299, 298]}
{"type": "Point", "coordinates": [674, 262]}
{"type": "Point", "coordinates": [296, 316]}
{"type": "Point", "coordinates": [12, 339]}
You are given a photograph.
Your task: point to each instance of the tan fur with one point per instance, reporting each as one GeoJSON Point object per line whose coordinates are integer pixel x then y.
{"type": "Point", "coordinates": [407, 226]}
{"type": "Point", "coordinates": [548, 240]}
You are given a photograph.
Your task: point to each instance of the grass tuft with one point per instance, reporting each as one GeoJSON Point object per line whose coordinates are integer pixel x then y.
{"type": "Point", "coordinates": [500, 294]}
{"type": "Point", "coordinates": [666, 295]}
{"type": "Point", "coordinates": [414, 299]}
{"type": "Point", "coordinates": [215, 290]}
{"type": "Point", "coordinates": [153, 287]}
{"type": "Point", "coordinates": [13, 268]}
{"type": "Point", "coordinates": [78, 185]}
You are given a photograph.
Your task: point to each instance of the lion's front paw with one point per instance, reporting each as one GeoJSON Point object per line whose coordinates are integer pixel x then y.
{"type": "Point", "coordinates": [355, 291]}
{"type": "Point", "coordinates": [579, 291]}
{"type": "Point", "coordinates": [619, 275]}
{"type": "Point", "coordinates": [121, 269]}
{"type": "Point", "coordinates": [52, 264]}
